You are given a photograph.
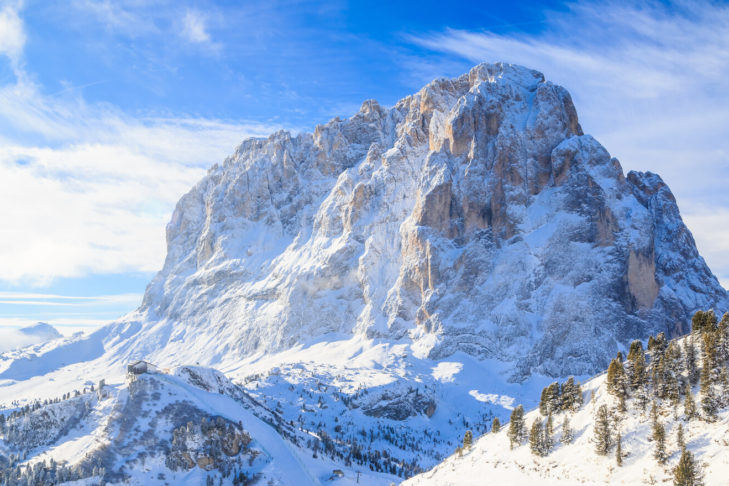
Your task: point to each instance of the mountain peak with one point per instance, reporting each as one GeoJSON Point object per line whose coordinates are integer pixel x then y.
{"type": "Point", "coordinates": [472, 216]}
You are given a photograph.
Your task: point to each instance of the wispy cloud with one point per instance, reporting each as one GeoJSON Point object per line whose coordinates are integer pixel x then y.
{"type": "Point", "coordinates": [12, 34]}
{"type": "Point", "coordinates": [39, 299]}
{"type": "Point", "coordinates": [118, 16]}
{"type": "Point", "coordinates": [649, 81]}
{"type": "Point", "coordinates": [88, 188]}
{"type": "Point", "coordinates": [195, 29]}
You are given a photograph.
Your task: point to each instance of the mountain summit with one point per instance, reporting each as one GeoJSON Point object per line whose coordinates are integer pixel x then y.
{"type": "Point", "coordinates": [474, 215]}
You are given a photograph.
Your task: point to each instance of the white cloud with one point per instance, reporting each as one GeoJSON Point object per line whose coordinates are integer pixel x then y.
{"type": "Point", "coordinates": [195, 30]}
{"type": "Point", "coordinates": [649, 81]}
{"type": "Point", "coordinates": [38, 299]}
{"type": "Point", "coordinates": [87, 189]}
{"type": "Point", "coordinates": [12, 34]}
{"type": "Point", "coordinates": [96, 198]}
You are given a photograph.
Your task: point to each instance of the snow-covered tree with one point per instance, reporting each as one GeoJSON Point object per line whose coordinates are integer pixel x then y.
{"type": "Point", "coordinates": [687, 472]}
{"type": "Point", "coordinates": [602, 435]}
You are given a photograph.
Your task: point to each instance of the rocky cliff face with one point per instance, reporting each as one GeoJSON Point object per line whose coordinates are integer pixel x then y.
{"type": "Point", "coordinates": [474, 215]}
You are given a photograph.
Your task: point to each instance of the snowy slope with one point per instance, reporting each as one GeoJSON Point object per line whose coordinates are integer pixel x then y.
{"type": "Point", "coordinates": [577, 463]}
{"type": "Point", "coordinates": [127, 433]}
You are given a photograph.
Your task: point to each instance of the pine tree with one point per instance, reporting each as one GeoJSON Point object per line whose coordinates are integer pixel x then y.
{"type": "Point", "coordinates": [659, 436]}
{"type": "Point", "coordinates": [617, 383]}
{"type": "Point", "coordinates": [703, 321]}
{"type": "Point", "coordinates": [536, 436]}
{"type": "Point", "coordinates": [571, 395]}
{"type": "Point", "coordinates": [602, 437]}
{"type": "Point", "coordinates": [467, 440]}
{"type": "Point", "coordinates": [639, 376]}
{"type": "Point", "coordinates": [636, 347]}
{"type": "Point", "coordinates": [723, 334]}
{"type": "Point", "coordinates": [709, 373]}
{"type": "Point", "coordinates": [549, 425]}
{"type": "Point", "coordinates": [657, 345]}
{"type": "Point", "coordinates": [543, 402]}
{"type": "Point", "coordinates": [689, 352]}
{"type": "Point", "coordinates": [516, 427]}
{"type": "Point", "coordinates": [567, 434]}
{"type": "Point", "coordinates": [709, 404]}
{"type": "Point", "coordinates": [551, 400]}
{"type": "Point", "coordinates": [680, 441]}
{"type": "Point", "coordinates": [619, 450]}
{"type": "Point", "coordinates": [689, 407]}
{"type": "Point", "coordinates": [547, 442]}
{"type": "Point", "coordinates": [495, 425]}
{"type": "Point", "coordinates": [687, 473]}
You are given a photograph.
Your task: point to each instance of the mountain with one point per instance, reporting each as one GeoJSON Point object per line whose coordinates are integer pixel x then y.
{"type": "Point", "coordinates": [12, 338]}
{"type": "Point", "coordinates": [40, 330]}
{"type": "Point", "coordinates": [473, 216]}
{"type": "Point", "coordinates": [577, 462]}
{"type": "Point", "coordinates": [381, 285]}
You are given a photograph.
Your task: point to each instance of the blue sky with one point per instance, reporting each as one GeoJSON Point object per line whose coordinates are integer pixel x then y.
{"type": "Point", "coordinates": [110, 111]}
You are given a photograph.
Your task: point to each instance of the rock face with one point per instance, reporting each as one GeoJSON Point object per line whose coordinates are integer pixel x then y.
{"type": "Point", "coordinates": [472, 216]}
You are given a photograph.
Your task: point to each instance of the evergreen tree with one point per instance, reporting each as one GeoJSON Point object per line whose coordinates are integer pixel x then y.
{"type": "Point", "coordinates": [543, 402]}
{"type": "Point", "coordinates": [619, 450]}
{"type": "Point", "coordinates": [551, 400]}
{"type": "Point", "coordinates": [516, 427]}
{"type": "Point", "coordinates": [549, 425]}
{"type": "Point", "coordinates": [467, 440]}
{"type": "Point", "coordinates": [617, 382]}
{"type": "Point", "coordinates": [567, 434]}
{"type": "Point", "coordinates": [723, 334]}
{"type": "Point", "coordinates": [571, 395]}
{"type": "Point", "coordinates": [495, 425]}
{"type": "Point", "coordinates": [680, 441]}
{"type": "Point", "coordinates": [689, 352]}
{"type": "Point", "coordinates": [673, 369]}
{"type": "Point", "coordinates": [709, 404]}
{"type": "Point", "coordinates": [657, 345]}
{"type": "Point", "coordinates": [703, 321]}
{"type": "Point", "coordinates": [636, 347]}
{"type": "Point", "coordinates": [536, 436]}
{"type": "Point", "coordinates": [659, 437]}
{"type": "Point", "coordinates": [639, 373]}
{"type": "Point", "coordinates": [602, 437]}
{"type": "Point", "coordinates": [689, 407]}
{"type": "Point", "coordinates": [709, 373]}
{"type": "Point", "coordinates": [687, 473]}
{"type": "Point", "coordinates": [547, 442]}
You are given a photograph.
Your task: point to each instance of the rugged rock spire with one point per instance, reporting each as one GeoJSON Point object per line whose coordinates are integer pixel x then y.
{"type": "Point", "coordinates": [474, 215]}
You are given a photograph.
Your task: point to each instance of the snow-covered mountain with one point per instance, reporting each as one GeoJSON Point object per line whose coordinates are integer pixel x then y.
{"type": "Point", "coordinates": [391, 280]}
{"type": "Point", "coordinates": [472, 216]}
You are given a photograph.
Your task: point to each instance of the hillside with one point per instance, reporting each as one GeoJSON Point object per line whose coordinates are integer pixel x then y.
{"type": "Point", "coordinates": [705, 431]}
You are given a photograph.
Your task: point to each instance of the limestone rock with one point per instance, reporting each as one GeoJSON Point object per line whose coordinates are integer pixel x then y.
{"type": "Point", "coordinates": [472, 216]}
